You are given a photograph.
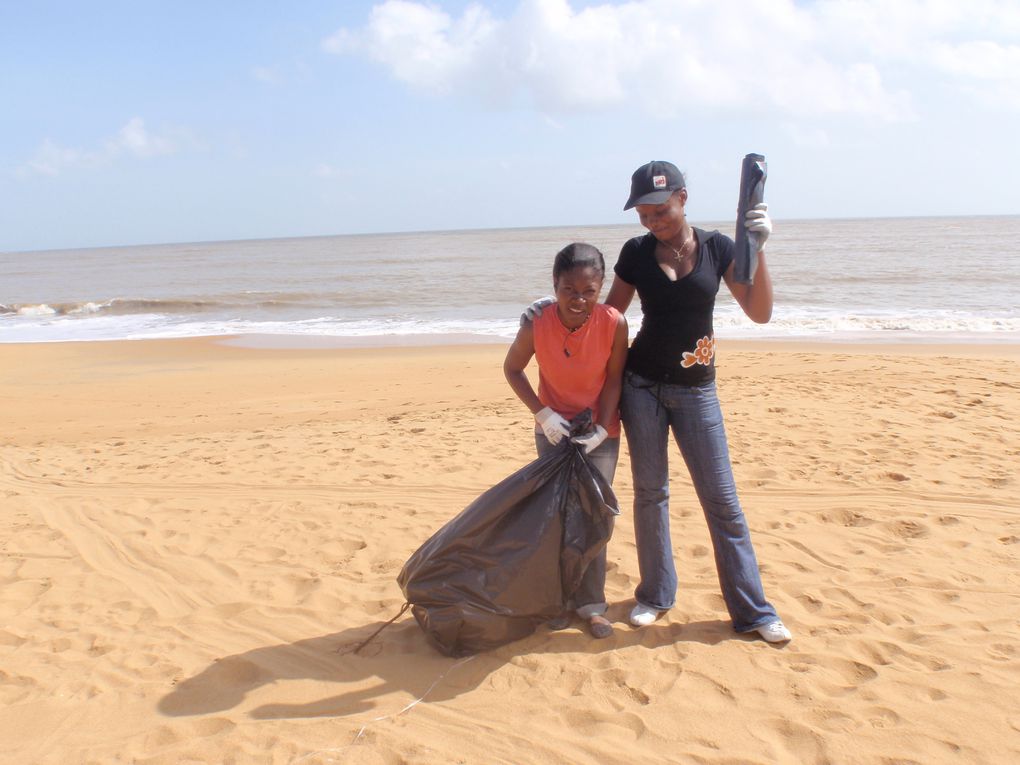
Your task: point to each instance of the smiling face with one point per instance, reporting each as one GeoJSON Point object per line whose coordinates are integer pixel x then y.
{"type": "Point", "coordinates": [665, 221]}
{"type": "Point", "coordinates": [577, 293]}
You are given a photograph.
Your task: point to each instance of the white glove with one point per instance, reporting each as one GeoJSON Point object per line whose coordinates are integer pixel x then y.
{"type": "Point", "coordinates": [534, 310]}
{"type": "Point", "coordinates": [591, 441]}
{"type": "Point", "coordinates": [553, 425]}
{"type": "Point", "coordinates": [758, 222]}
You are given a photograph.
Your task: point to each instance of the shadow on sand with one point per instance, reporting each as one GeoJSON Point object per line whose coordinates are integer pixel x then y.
{"type": "Point", "coordinates": [400, 659]}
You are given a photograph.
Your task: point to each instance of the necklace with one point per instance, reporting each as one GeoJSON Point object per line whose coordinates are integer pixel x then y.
{"type": "Point", "coordinates": [570, 333]}
{"type": "Point", "coordinates": [678, 253]}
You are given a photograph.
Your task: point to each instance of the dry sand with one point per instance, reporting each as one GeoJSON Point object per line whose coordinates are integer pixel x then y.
{"type": "Point", "coordinates": [195, 534]}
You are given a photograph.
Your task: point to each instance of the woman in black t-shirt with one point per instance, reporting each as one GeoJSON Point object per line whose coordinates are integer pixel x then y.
{"type": "Point", "coordinates": [669, 385]}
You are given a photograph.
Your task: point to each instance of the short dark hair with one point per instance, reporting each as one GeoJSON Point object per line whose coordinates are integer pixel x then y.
{"type": "Point", "coordinates": [578, 255]}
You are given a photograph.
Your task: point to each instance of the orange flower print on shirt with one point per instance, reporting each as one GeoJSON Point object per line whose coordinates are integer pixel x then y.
{"type": "Point", "coordinates": [702, 354]}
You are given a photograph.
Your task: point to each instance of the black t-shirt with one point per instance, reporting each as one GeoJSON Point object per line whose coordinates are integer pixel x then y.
{"type": "Point", "coordinates": [676, 342]}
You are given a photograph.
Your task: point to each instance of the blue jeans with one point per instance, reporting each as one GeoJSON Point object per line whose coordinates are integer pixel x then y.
{"type": "Point", "coordinates": [650, 410]}
{"type": "Point", "coordinates": [590, 598]}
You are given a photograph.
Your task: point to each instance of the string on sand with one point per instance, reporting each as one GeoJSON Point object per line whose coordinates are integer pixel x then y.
{"type": "Point", "coordinates": [371, 637]}
{"type": "Point", "coordinates": [406, 708]}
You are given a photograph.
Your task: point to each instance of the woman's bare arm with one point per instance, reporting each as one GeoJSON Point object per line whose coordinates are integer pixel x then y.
{"type": "Point", "coordinates": [609, 398]}
{"type": "Point", "coordinates": [517, 359]}
{"type": "Point", "coordinates": [620, 295]}
{"type": "Point", "coordinates": [754, 299]}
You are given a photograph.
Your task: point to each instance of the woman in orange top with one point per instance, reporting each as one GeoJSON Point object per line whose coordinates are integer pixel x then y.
{"type": "Point", "coordinates": [581, 348]}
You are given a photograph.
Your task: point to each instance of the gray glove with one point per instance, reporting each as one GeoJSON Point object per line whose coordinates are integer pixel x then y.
{"type": "Point", "coordinates": [534, 310]}
{"type": "Point", "coordinates": [758, 222]}
{"type": "Point", "coordinates": [591, 441]}
{"type": "Point", "coordinates": [552, 424]}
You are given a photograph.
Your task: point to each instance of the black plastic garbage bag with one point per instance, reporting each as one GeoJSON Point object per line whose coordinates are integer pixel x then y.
{"type": "Point", "coordinates": [514, 557]}
{"type": "Point", "coordinates": [753, 172]}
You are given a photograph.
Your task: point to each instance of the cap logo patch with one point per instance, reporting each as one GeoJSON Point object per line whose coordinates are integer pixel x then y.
{"type": "Point", "coordinates": [659, 181]}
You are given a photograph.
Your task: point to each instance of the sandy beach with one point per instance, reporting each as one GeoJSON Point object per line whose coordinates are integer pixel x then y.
{"type": "Point", "coordinates": [195, 534]}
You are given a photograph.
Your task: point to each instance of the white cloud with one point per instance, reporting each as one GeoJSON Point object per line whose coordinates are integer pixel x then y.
{"type": "Point", "coordinates": [133, 139]}
{"type": "Point", "coordinates": [988, 70]}
{"type": "Point", "coordinates": [420, 43]}
{"type": "Point", "coordinates": [674, 57]}
{"type": "Point", "coordinates": [267, 75]}
{"type": "Point", "coordinates": [971, 48]}
{"type": "Point", "coordinates": [136, 140]}
{"type": "Point", "coordinates": [51, 159]}
{"type": "Point", "coordinates": [979, 59]}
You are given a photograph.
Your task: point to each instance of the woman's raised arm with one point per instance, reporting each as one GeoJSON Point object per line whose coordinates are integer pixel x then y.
{"type": "Point", "coordinates": [620, 295]}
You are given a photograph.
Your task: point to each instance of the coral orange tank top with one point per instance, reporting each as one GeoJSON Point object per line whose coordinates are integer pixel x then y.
{"type": "Point", "coordinates": [572, 365]}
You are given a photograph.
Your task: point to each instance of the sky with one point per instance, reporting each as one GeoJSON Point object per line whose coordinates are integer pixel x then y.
{"type": "Point", "coordinates": [126, 122]}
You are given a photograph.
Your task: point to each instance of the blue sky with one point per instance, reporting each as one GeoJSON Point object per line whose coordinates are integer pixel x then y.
{"type": "Point", "coordinates": [142, 122]}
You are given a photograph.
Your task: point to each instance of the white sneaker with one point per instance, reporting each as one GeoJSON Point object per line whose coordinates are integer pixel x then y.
{"type": "Point", "coordinates": [775, 632]}
{"type": "Point", "coordinates": [642, 615]}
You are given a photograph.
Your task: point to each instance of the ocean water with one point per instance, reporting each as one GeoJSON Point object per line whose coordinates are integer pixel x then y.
{"type": "Point", "coordinates": [886, 279]}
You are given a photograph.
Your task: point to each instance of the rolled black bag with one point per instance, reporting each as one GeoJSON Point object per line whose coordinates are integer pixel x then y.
{"type": "Point", "coordinates": [753, 172]}
{"type": "Point", "coordinates": [513, 558]}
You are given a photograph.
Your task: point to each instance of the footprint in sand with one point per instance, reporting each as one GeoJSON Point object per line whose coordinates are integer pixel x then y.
{"type": "Point", "coordinates": [810, 603]}
{"type": "Point", "coordinates": [882, 717]}
{"type": "Point", "coordinates": [853, 672]}
{"type": "Point", "coordinates": [1003, 652]}
{"type": "Point", "coordinates": [846, 518]}
{"type": "Point", "coordinates": [909, 529]}
{"type": "Point", "coordinates": [834, 721]}
{"type": "Point", "coordinates": [596, 723]}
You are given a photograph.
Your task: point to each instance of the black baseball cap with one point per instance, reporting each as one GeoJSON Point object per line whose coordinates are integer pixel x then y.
{"type": "Point", "coordinates": [654, 183]}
